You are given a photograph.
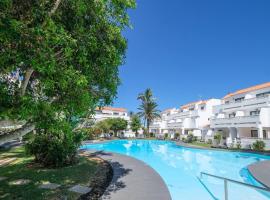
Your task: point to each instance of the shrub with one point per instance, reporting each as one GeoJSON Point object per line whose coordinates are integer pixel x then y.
{"type": "Point", "coordinates": [238, 145]}
{"type": "Point", "coordinates": [176, 135]}
{"type": "Point", "coordinates": [259, 145]}
{"type": "Point", "coordinates": [209, 141]}
{"type": "Point", "coordinates": [56, 147]}
{"type": "Point", "coordinates": [166, 135]}
{"type": "Point", "coordinates": [151, 134]}
{"type": "Point", "coordinates": [190, 138]}
{"type": "Point", "coordinates": [217, 137]}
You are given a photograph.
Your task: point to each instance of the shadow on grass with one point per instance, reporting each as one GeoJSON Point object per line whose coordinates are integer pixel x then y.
{"type": "Point", "coordinates": [119, 171]}
{"type": "Point", "coordinates": [24, 168]}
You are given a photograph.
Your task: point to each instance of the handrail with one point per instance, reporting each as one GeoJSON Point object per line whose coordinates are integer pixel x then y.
{"type": "Point", "coordinates": [226, 180]}
{"type": "Point", "coordinates": [237, 182]}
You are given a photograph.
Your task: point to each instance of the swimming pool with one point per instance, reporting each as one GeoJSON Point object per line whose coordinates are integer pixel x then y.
{"type": "Point", "coordinates": [180, 168]}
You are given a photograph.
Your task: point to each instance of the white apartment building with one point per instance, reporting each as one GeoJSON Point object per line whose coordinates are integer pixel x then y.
{"type": "Point", "coordinates": [159, 125]}
{"type": "Point", "coordinates": [111, 112]}
{"type": "Point", "coordinates": [244, 116]}
{"type": "Point", "coordinates": [190, 118]}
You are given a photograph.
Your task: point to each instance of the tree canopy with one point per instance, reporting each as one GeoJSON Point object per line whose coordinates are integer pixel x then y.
{"type": "Point", "coordinates": [135, 123]}
{"type": "Point", "coordinates": [59, 58]}
{"type": "Point", "coordinates": [117, 124]}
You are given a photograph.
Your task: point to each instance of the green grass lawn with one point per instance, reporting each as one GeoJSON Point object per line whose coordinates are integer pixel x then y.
{"type": "Point", "coordinates": [201, 144]}
{"type": "Point", "coordinates": [24, 168]}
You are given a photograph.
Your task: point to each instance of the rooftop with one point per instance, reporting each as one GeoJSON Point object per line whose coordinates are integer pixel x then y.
{"type": "Point", "coordinates": [112, 109]}
{"type": "Point", "coordinates": [250, 89]}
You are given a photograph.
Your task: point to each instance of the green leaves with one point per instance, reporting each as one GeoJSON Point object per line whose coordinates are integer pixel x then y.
{"type": "Point", "coordinates": [135, 123]}
{"type": "Point", "coordinates": [148, 108]}
{"type": "Point", "coordinates": [74, 50]}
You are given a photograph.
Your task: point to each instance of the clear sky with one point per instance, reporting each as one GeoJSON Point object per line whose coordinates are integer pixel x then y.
{"type": "Point", "coordinates": [185, 50]}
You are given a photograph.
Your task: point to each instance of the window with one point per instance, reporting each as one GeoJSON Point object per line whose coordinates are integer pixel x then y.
{"type": "Point", "coordinates": [263, 94]}
{"type": "Point", "coordinates": [239, 99]}
{"type": "Point", "coordinates": [254, 113]}
{"type": "Point", "coordinates": [227, 102]}
{"type": "Point", "coordinates": [232, 115]}
{"type": "Point", "coordinates": [191, 109]}
{"type": "Point", "coordinates": [202, 107]}
{"type": "Point", "coordinates": [254, 133]}
{"type": "Point", "coordinates": [115, 113]}
{"type": "Point", "coordinates": [264, 134]}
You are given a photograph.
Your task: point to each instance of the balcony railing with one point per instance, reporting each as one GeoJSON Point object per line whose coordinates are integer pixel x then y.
{"type": "Point", "coordinates": [247, 103]}
{"type": "Point", "coordinates": [174, 125]}
{"type": "Point", "coordinates": [235, 121]}
{"type": "Point", "coordinates": [181, 115]}
{"type": "Point", "coordinates": [155, 125]}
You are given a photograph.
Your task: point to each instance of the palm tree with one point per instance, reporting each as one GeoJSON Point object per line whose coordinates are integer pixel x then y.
{"type": "Point", "coordinates": [148, 108]}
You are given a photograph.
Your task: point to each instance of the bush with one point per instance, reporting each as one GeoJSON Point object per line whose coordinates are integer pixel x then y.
{"type": "Point", "coordinates": [209, 141]}
{"type": "Point", "coordinates": [176, 135]}
{"type": "Point", "coordinates": [166, 135]}
{"type": "Point", "coordinates": [190, 138]}
{"type": "Point", "coordinates": [259, 145]}
{"type": "Point", "coordinates": [55, 147]}
{"type": "Point", "coordinates": [217, 137]}
{"type": "Point", "coordinates": [238, 145]}
{"type": "Point", "coordinates": [151, 134]}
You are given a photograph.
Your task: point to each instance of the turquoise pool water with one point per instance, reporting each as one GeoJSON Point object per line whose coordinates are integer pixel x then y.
{"type": "Point", "coordinates": [180, 168]}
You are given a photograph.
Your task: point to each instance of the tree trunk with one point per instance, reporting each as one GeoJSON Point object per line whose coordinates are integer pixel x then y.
{"type": "Point", "coordinates": [148, 127]}
{"type": "Point", "coordinates": [7, 137]}
{"type": "Point", "coordinates": [56, 5]}
{"type": "Point", "coordinates": [26, 79]}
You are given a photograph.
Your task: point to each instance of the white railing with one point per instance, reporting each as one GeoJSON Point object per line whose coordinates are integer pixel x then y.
{"type": "Point", "coordinates": [244, 120]}
{"type": "Point", "coordinates": [156, 125]}
{"type": "Point", "coordinates": [246, 103]}
{"type": "Point", "coordinates": [227, 180]}
{"type": "Point", "coordinates": [185, 114]}
{"type": "Point", "coordinates": [174, 125]}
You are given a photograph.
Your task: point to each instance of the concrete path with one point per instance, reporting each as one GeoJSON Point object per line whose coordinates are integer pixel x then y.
{"type": "Point", "coordinates": [260, 171]}
{"type": "Point", "coordinates": [133, 180]}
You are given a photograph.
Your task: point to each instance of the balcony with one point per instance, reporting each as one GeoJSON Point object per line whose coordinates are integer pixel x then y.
{"type": "Point", "coordinates": [174, 125]}
{"type": "Point", "coordinates": [245, 104]}
{"type": "Point", "coordinates": [246, 121]}
{"type": "Point", "coordinates": [181, 115]}
{"type": "Point", "coordinates": [155, 125]}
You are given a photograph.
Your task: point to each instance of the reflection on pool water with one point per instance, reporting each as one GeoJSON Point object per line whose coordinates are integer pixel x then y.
{"type": "Point", "coordinates": [180, 168]}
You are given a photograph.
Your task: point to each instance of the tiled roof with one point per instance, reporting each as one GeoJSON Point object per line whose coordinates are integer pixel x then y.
{"type": "Point", "coordinates": [193, 103]}
{"type": "Point", "coordinates": [167, 110]}
{"type": "Point", "coordinates": [250, 89]}
{"type": "Point", "coordinates": [112, 109]}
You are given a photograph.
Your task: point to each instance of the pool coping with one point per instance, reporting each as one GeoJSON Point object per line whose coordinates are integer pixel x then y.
{"type": "Point", "coordinates": [260, 172]}
{"type": "Point", "coordinates": [178, 143]}
{"type": "Point", "coordinates": [133, 179]}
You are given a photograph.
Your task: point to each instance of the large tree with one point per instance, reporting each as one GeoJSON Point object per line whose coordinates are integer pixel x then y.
{"type": "Point", "coordinates": [117, 124]}
{"type": "Point", "coordinates": [58, 59]}
{"type": "Point", "coordinates": [135, 124]}
{"type": "Point", "coordinates": [148, 107]}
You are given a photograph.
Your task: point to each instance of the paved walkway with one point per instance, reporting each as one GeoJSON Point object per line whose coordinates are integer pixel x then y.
{"type": "Point", "coordinates": [260, 171]}
{"type": "Point", "coordinates": [133, 180]}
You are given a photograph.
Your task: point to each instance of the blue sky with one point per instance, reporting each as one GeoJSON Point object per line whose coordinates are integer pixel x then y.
{"type": "Point", "coordinates": [185, 50]}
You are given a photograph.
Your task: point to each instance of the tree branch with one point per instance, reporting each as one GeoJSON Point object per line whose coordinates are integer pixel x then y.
{"type": "Point", "coordinates": [26, 79]}
{"type": "Point", "coordinates": [16, 133]}
{"type": "Point", "coordinates": [56, 5]}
